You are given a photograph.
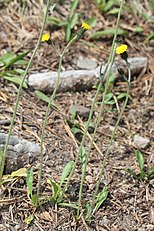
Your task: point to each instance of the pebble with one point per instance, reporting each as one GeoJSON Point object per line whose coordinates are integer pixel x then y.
{"type": "Point", "coordinates": [89, 179]}
{"type": "Point", "coordinates": [140, 141]}
{"type": "Point", "coordinates": [85, 63]}
{"type": "Point", "coordinates": [80, 110]}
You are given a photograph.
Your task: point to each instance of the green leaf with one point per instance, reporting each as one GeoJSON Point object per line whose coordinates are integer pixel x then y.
{"type": "Point", "coordinates": [108, 5]}
{"type": "Point", "coordinates": [151, 171]}
{"type": "Point", "coordinates": [68, 33]}
{"type": "Point", "coordinates": [42, 96]}
{"type": "Point", "coordinates": [73, 111]}
{"type": "Point", "coordinates": [29, 181]}
{"type": "Point", "coordinates": [150, 36]}
{"type": "Point", "coordinates": [19, 71]}
{"type": "Point", "coordinates": [45, 98]}
{"type": "Point", "coordinates": [109, 31]}
{"type": "Point", "coordinates": [91, 124]}
{"type": "Point", "coordinates": [34, 199]}
{"type": "Point", "coordinates": [63, 23]}
{"type": "Point", "coordinates": [111, 102]}
{"type": "Point", "coordinates": [92, 21]}
{"type": "Point", "coordinates": [83, 156]}
{"type": "Point", "coordinates": [21, 62]}
{"type": "Point", "coordinates": [52, 200]}
{"type": "Point", "coordinates": [76, 130]}
{"type": "Point", "coordinates": [66, 171]}
{"type": "Point", "coordinates": [11, 58]}
{"type": "Point", "coordinates": [88, 211]}
{"type": "Point", "coordinates": [55, 188]}
{"type": "Point", "coordinates": [101, 197]}
{"type": "Point", "coordinates": [74, 6]}
{"type": "Point", "coordinates": [7, 58]}
{"type": "Point", "coordinates": [15, 79]}
{"type": "Point", "coordinates": [20, 172]}
{"type": "Point", "coordinates": [73, 20]}
{"type": "Point", "coordinates": [108, 97]}
{"type": "Point", "coordinates": [113, 11]}
{"type": "Point", "coordinates": [139, 29]}
{"type": "Point", "coordinates": [121, 95]}
{"type": "Point", "coordinates": [68, 205]}
{"type": "Point", "coordinates": [54, 20]}
{"type": "Point", "coordinates": [140, 160]}
{"type": "Point", "coordinates": [112, 78]}
{"type": "Point", "coordinates": [29, 219]}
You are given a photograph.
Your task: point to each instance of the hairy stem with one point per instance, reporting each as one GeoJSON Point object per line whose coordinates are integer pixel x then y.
{"type": "Point", "coordinates": [2, 162]}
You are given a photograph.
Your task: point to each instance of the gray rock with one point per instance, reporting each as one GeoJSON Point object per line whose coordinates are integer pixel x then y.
{"type": "Point", "coordinates": [20, 152]}
{"type": "Point", "coordinates": [80, 110]}
{"type": "Point", "coordinates": [85, 63]}
{"type": "Point", "coordinates": [140, 141]}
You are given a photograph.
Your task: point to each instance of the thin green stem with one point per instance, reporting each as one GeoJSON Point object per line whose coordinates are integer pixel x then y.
{"type": "Point", "coordinates": [48, 109]}
{"type": "Point", "coordinates": [20, 89]}
{"type": "Point", "coordinates": [106, 76]}
{"type": "Point", "coordinates": [112, 137]}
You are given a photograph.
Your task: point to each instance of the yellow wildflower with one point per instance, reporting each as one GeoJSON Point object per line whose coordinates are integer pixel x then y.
{"type": "Point", "coordinates": [121, 49]}
{"type": "Point", "coordinates": [85, 26]}
{"type": "Point", "coordinates": [45, 38]}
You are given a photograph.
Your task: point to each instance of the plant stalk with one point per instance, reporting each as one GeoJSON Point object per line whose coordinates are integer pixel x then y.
{"type": "Point", "coordinates": [20, 89]}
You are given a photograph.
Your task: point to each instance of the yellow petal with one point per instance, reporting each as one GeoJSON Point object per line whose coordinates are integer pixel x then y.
{"type": "Point", "coordinates": [85, 26]}
{"type": "Point", "coordinates": [121, 49]}
{"type": "Point", "coordinates": [45, 38]}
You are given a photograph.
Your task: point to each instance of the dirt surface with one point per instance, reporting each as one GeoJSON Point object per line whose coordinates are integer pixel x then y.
{"type": "Point", "coordinates": [130, 203]}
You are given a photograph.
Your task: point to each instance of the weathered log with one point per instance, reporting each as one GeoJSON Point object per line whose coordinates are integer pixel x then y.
{"type": "Point", "coordinates": [20, 152]}
{"type": "Point", "coordinates": [77, 80]}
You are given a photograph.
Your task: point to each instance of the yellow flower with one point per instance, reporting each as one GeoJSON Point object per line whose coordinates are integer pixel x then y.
{"type": "Point", "coordinates": [85, 26]}
{"type": "Point", "coordinates": [45, 38]}
{"type": "Point", "coordinates": [121, 49]}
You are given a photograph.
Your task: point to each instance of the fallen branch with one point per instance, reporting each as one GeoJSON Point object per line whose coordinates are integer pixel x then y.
{"type": "Point", "coordinates": [77, 80]}
{"type": "Point", "coordinates": [20, 152]}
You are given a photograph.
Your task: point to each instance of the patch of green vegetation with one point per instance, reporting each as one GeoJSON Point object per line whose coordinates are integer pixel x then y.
{"type": "Point", "coordinates": [8, 69]}
{"type": "Point", "coordinates": [143, 174]}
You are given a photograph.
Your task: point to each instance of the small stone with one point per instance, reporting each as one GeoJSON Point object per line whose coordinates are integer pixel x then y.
{"type": "Point", "coordinates": [80, 110]}
{"type": "Point", "coordinates": [89, 179]}
{"type": "Point", "coordinates": [85, 63]}
{"type": "Point", "coordinates": [140, 141]}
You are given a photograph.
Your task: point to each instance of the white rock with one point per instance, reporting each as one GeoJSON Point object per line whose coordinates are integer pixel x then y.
{"type": "Point", "coordinates": [140, 141]}
{"type": "Point", "coordinates": [85, 63]}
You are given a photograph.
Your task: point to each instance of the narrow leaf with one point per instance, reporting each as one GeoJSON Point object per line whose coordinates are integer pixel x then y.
{"type": "Point", "coordinates": [74, 5]}
{"type": "Point", "coordinates": [68, 205]}
{"type": "Point", "coordinates": [92, 21]}
{"type": "Point", "coordinates": [109, 31]}
{"type": "Point", "coordinates": [83, 156]}
{"type": "Point", "coordinates": [29, 219]}
{"type": "Point", "coordinates": [42, 96]}
{"type": "Point", "coordinates": [29, 181]}
{"type": "Point", "coordinates": [20, 172]}
{"type": "Point", "coordinates": [121, 95]}
{"type": "Point", "coordinates": [66, 171]}
{"type": "Point", "coordinates": [68, 33]}
{"type": "Point", "coordinates": [151, 171]}
{"type": "Point", "coordinates": [73, 20]}
{"type": "Point", "coordinates": [140, 160]}
{"type": "Point", "coordinates": [55, 188]}
{"type": "Point", "coordinates": [15, 79]}
{"type": "Point", "coordinates": [34, 199]}
{"type": "Point", "coordinates": [101, 197]}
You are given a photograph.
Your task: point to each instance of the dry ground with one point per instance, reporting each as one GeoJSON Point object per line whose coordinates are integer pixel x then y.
{"type": "Point", "coordinates": [129, 206]}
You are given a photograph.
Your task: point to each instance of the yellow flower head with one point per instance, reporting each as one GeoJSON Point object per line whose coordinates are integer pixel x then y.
{"type": "Point", "coordinates": [121, 49]}
{"type": "Point", "coordinates": [45, 38]}
{"type": "Point", "coordinates": [85, 26]}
